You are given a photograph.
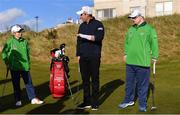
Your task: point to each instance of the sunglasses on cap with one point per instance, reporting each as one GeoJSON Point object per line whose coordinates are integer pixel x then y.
{"type": "Point", "coordinates": [134, 17]}
{"type": "Point", "coordinates": [21, 30]}
{"type": "Point", "coordinates": [82, 14]}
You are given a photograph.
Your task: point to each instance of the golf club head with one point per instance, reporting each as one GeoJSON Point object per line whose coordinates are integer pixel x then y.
{"type": "Point", "coordinates": [153, 108]}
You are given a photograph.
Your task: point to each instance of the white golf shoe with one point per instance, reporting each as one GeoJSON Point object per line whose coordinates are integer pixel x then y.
{"type": "Point", "coordinates": [36, 101]}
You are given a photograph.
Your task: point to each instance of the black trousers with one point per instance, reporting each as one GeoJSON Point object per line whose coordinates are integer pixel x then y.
{"type": "Point", "coordinates": [89, 67]}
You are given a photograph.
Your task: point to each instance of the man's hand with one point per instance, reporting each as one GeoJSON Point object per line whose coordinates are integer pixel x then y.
{"type": "Point", "coordinates": [124, 58]}
{"type": "Point", "coordinates": [88, 37]}
{"type": "Point", "coordinates": [78, 57]}
{"type": "Point", "coordinates": [154, 61]}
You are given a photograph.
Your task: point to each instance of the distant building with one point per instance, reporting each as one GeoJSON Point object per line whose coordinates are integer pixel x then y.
{"type": "Point", "coordinates": [104, 9]}
{"type": "Point", "coordinates": [69, 21]}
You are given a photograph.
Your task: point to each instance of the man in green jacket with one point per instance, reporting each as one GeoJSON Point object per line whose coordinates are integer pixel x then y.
{"type": "Point", "coordinates": [141, 46]}
{"type": "Point", "coordinates": [16, 56]}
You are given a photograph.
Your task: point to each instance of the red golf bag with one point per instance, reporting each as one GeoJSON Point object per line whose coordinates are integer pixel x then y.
{"type": "Point", "coordinates": [58, 74]}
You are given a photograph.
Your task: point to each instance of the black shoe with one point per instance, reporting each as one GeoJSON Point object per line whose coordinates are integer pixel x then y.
{"type": "Point", "coordinates": [84, 106]}
{"type": "Point", "coordinates": [94, 108]}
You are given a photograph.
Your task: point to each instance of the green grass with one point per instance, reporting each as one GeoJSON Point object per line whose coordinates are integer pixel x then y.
{"type": "Point", "coordinates": [112, 80]}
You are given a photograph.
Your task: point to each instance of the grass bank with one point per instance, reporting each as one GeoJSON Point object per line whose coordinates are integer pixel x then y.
{"type": "Point", "coordinates": [113, 43]}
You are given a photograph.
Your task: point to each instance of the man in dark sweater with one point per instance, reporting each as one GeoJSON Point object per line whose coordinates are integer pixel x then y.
{"type": "Point", "coordinates": [89, 43]}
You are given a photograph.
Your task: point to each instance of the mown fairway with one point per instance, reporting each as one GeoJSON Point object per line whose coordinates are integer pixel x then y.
{"type": "Point", "coordinates": [112, 79]}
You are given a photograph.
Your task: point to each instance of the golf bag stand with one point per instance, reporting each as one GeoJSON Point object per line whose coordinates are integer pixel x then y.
{"type": "Point", "coordinates": [59, 72]}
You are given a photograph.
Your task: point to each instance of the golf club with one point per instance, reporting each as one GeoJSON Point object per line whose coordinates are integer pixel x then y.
{"type": "Point", "coordinates": [153, 90]}
{"type": "Point", "coordinates": [69, 86]}
{"type": "Point", "coordinates": [4, 86]}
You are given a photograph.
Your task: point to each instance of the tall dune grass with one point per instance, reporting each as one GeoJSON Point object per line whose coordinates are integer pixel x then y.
{"type": "Point", "coordinates": [113, 43]}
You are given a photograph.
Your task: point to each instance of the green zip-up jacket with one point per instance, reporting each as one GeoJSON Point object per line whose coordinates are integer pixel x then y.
{"type": "Point", "coordinates": [141, 45]}
{"type": "Point", "coordinates": [16, 54]}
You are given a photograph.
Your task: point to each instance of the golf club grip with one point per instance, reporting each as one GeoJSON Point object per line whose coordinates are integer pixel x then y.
{"type": "Point", "coordinates": [78, 68]}
{"type": "Point", "coordinates": [154, 67]}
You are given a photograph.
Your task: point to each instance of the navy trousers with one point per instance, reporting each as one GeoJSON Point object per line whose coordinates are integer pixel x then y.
{"type": "Point", "coordinates": [137, 76]}
{"type": "Point", "coordinates": [28, 84]}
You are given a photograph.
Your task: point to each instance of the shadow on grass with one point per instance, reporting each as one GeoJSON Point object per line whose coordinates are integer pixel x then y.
{"type": "Point", "coordinates": [54, 108]}
{"type": "Point", "coordinates": [42, 91]}
{"type": "Point", "coordinates": [105, 91]}
{"type": "Point", "coordinates": [108, 89]}
{"type": "Point", "coordinates": [7, 102]}
{"type": "Point", "coordinates": [4, 81]}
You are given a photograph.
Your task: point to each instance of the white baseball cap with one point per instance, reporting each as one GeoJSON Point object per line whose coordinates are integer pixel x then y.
{"type": "Point", "coordinates": [16, 28]}
{"type": "Point", "coordinates": [135, 13]}
{"type": "Point", "coordinates": [85, 9]}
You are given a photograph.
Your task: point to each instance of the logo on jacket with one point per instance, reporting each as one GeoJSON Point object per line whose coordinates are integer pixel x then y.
{"type": "Point", "coordinates": [142, 34]}
{"type": "Point", "coordinates": [14, 47]}
{"type": "Point", "coordinates": [100, 28]}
